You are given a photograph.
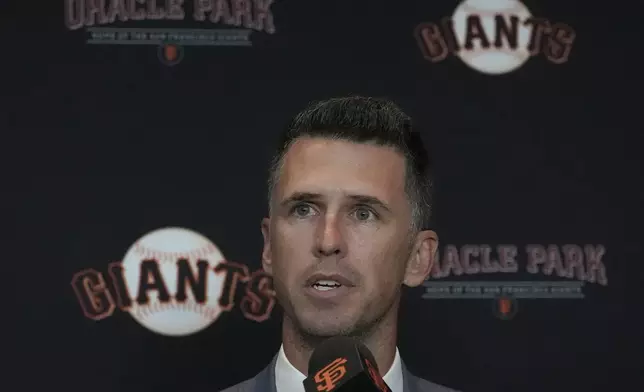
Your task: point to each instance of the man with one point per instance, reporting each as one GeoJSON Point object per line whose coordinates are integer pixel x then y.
{"type": "Point", "coordinates": [348, 204]}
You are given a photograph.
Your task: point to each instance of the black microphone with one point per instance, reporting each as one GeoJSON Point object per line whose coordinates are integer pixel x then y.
{"type": "Point", "coordinates": [343, 364]}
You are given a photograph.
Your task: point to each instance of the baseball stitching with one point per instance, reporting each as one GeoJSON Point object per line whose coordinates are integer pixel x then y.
{"type": "Point", "coordinates": [172, 257]}
{"type": "Point", "coordinates": [514, 53]}
{"type": "Point", "coordinates": [145, 311]}
{"type": "Point", "coordinates": [473, 10]}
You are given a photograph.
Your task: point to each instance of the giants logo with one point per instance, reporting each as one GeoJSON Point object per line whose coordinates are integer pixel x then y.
{"type": "Point", "coordinates": [174, 282]}
{"type": "Point", "coordinates": [495, 36]}
{"type": "Point", "coordinates": [329, 376]}
{"type": "Point", "coordinates": [505, 307]}
{"type": "Point", "coordinates": [170, 54]}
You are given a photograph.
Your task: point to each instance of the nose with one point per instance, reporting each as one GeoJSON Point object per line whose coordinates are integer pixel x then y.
{"type": "Point", "coordinates": [329, 239]}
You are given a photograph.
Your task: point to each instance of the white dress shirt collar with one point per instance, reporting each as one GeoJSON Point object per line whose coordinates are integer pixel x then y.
{"type": "Point", "coordinates": [289, 379]}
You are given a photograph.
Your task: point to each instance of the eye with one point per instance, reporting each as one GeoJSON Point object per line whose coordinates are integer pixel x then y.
{"type": "Point", "coordinates": [301, 210]}
{"type": "Point", "coordinates": [364, 214]}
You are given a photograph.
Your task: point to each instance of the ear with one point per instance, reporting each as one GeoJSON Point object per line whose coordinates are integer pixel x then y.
{"type": "Point", "coordinates": [421, 259]}
{"type": "Point", "coordinates": [267, 261]}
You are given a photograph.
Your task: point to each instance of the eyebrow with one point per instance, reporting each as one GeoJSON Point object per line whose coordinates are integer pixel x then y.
{"type": "Point", "coordinates": [361, 199]}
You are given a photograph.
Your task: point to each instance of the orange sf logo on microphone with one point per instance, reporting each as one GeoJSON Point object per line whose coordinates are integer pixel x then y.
{"type": "Point", "coordinates": [375, 376]}
{"type": "Point", "coordinates": [329, 375]}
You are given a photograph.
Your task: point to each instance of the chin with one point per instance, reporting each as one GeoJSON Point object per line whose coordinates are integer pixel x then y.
{"type": "Point", "coordinates": [328, 331]}
{"type": "Point", "coordinates": [323, 326]}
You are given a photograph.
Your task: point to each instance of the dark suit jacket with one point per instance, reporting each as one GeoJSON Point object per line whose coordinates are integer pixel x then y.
{"type": "Point", "coordinates": [265, 382]}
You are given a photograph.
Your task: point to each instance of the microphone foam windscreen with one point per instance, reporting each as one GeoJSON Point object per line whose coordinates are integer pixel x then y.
{"type": "Point", "coordinates": [366, 353]}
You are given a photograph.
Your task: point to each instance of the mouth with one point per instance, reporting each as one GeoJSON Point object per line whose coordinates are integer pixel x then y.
{"type": "Point", "coordinates": [326, 285]}
{"type": "Point", "coordinates": [321, 282]}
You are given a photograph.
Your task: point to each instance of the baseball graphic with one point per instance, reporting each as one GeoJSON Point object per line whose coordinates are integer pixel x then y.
{"type": "Point", "coordinates": [166, 246]}
{"type": "Point", "coordinates": [492, 60]}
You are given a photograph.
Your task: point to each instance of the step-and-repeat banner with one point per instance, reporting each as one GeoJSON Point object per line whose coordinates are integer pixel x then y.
{"type": "Point", "coordinates": [167, 113]}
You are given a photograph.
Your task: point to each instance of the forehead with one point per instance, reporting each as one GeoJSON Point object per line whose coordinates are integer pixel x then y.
{"type": "Point", "coordinates": [329, 166]}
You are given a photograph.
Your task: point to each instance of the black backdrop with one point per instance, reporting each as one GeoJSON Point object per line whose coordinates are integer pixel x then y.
{"type": "Point", "coordinates": [105, 143]}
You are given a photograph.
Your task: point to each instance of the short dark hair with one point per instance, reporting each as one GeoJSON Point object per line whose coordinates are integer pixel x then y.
{"type": "Point", "coordinates": [365, 120]}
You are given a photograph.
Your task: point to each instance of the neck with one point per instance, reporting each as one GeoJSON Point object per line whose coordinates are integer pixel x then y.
{"type": "Point", "coordinates": [380, 340]}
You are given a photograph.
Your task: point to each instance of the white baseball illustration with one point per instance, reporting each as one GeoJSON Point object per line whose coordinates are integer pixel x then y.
{"type": "Point", "coordinates": [166, 246]}
{"type": "Point", "coordinates": [492, 60]}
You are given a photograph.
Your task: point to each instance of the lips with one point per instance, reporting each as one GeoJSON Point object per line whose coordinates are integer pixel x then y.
{"type": "Point", "coordinates": [327, 282]}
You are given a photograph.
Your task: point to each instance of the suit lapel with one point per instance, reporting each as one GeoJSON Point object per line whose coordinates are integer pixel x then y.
{"type": "Point", "coordinates": [265, 380]}
{"type": "Point", "coordinates": [408, 379]}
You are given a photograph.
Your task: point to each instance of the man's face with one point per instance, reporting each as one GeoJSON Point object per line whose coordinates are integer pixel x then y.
{"type": "Point", "coordinates": [338, 242]}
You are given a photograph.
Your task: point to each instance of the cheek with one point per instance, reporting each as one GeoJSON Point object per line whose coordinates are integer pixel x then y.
{"type": "Point", "coordinates": [386, 271]}
{"type": "Point", "coordinates": [387, 280]}
{"type": "Point", "coordinates": [284, 281]}
{"type": "Point", "coordinates": [288, 260]}
{"type": "Point", "coordinates": [292, 238]}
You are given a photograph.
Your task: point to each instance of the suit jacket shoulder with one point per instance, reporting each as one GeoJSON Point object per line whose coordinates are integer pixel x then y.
{"type": "Point", "coordinates": [421, 385]}
{"type": "Point", "coordinates": [244, 386]}
{"type": "Point", "coordinates": [417, 384]}
{"type": "Point", "coordinates": [264, 381]}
